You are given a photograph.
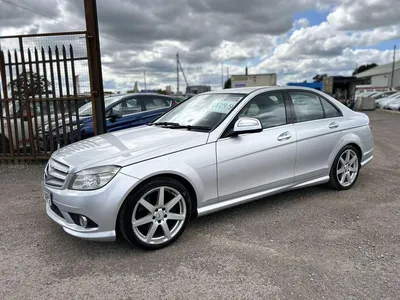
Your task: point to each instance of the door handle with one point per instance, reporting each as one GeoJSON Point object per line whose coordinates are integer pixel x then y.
{"type": "Point", "coordinates": [334, 125]}
{"type": "Point", "coordinates": [284, 136]}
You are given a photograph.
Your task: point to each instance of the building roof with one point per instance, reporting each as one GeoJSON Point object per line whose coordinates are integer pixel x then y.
{"type": "Point", "coordinates": [383, 69]}
{"type": "Point", "coordinates": [264, 74]}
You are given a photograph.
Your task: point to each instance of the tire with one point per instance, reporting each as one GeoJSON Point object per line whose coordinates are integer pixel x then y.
{"type": "Point", "coordinates": [150, 222]}
{"type": "Point", "coordinates": [6, 144]}
{"type": "Point", "coordinates": [345, 170]}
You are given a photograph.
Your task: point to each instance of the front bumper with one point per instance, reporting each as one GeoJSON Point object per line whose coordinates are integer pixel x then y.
{"type": "Point", "coordinates": [101, 206]}
{"type": "Point", "coordinates": [79, 231]}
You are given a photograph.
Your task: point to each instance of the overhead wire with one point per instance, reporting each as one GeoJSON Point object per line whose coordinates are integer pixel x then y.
{"type": "Point", "coordinates": [57, 20]}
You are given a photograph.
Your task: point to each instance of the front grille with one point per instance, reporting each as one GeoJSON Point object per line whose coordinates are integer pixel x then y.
{"type": "Point", "coordinates": [55, 173]}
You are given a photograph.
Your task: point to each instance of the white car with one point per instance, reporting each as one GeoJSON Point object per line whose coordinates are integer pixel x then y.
{"type": "Point", "coordinates": [393, 106]}
{"type": "Point", "coordinates": [386, 101]}
{"type": "Point", "coordinates": [384, 94]}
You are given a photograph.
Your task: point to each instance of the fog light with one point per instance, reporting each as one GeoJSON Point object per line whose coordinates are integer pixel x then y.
{"type": "Point", "coordinates": [83, 221]}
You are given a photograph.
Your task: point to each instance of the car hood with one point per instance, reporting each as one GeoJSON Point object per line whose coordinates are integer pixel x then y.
{"type": "Point", "coordinates": [128, 146]}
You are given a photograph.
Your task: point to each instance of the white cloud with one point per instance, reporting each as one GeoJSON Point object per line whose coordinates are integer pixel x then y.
{"type": "Point", "coordinates": [365, 14]}
{"type": "Point", "coordinates": [142, 36]}
{"type": "Point", "coordinates": [325, 40]}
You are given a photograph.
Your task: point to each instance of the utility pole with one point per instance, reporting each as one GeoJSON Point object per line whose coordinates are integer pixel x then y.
{"type": "Point", "coordinates": [144, 74]}
{"type": "Point", "coordinates": [177, 73]}
{"type": "Point", "coordinates": [222, 75]}
{"type": "Point", "coordinates": [393, 66]}
{"type": "Point", "coordinates": [227, 73]}
{"type": "Point", "coordinates": [94, 62]}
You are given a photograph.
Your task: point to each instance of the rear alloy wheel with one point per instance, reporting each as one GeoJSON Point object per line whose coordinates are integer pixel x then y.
{"type": "Point", "coordinates": [157, 214]}
{"type": "Point", "coordinates": [345, 169]}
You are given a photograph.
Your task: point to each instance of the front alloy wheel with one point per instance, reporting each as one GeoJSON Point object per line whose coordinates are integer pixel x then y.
{"type": "Point", "coordinates": [157, 214]}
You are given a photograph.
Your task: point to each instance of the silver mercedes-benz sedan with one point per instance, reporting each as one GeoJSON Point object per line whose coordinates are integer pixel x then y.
{"type": "Point", "coordinates": [211, 152]}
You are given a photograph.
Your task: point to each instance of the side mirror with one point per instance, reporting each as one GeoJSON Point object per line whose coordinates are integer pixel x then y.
{"type": "Point", "coordinates": [247, 125]}
{"type": "Point", "coordinates": [114, 116]}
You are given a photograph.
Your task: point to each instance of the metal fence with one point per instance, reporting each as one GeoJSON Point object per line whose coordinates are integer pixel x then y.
{"type": "Point", "coordinates": [45, 94]}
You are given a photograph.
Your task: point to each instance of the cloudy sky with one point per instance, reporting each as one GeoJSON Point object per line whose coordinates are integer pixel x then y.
{"type": "Point", "coordinates": [294, 38]}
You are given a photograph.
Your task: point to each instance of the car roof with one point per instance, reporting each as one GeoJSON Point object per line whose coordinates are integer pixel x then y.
{"type": "Point", "coordinates": [112, 99]}
{"type": "Point", "coordinates": [120, 96]}
{"type": "Point", "coordinates": [249, 90]}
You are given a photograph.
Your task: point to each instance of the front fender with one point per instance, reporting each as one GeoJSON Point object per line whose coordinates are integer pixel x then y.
{"type": "Point", "coordinates": [196, 165]}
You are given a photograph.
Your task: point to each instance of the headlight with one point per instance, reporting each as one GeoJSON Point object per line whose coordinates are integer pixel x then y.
{"type": "Point", "coordinates": [93, 178]}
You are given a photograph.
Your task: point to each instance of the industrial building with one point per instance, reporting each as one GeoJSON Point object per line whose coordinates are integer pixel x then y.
{"type": "Point", "coordinates": [197, 89]}
{"type": "Point", "coordinates": [380, 77]}
{"type": "Point", "coordinates": [253, 80]}
{"type": "Point", "coordinates": [340, 87]}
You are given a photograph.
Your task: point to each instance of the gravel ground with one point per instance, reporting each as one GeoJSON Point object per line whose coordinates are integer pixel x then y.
{"type": "Point", "coordinates": [314, 243]}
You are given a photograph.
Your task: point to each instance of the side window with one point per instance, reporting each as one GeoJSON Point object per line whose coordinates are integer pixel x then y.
{"type": "Point", "coordinates": [268, 108]}
{"type": "Point", "coordinates": [128, 106]}
{"type": "Point", "coordinates": [307, 106]}
{"type": "Point", "coordinates": [330, 110]}
{"type": "Point", "coordinates": [156, 103]}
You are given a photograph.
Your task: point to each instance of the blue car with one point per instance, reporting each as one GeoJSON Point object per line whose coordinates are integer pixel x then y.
{"type": "Point", "coordinates": [122, 111]}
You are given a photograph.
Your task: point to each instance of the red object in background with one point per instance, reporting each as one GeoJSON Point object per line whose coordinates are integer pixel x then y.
{"type": "Point", "coordinates": [26, 116]}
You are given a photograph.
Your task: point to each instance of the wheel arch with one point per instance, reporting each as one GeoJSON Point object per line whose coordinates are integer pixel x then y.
{"type": "Point", "coordinates": [348, 140]}
{"type": "Point", "coordinates": [358, 148]}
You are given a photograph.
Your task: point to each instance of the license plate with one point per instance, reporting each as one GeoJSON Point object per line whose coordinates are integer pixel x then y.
{"type": "Point", "coordinates": [47, 198]}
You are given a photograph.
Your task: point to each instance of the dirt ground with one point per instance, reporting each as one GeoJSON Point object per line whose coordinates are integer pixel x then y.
{"type": "Point", "coordinates": [314, 243]}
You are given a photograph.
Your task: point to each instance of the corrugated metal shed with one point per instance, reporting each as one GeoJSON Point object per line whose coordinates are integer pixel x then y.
{"type": "Point", "coordinates": [383, 69]}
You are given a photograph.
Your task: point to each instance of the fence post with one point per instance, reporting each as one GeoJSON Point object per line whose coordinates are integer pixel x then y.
{"type": "Point", "coordinates": [27, 104]}
{"type": "Point", "coordinates": [94, 61]}
{"type": "Point", "coordinates": [6, 103]}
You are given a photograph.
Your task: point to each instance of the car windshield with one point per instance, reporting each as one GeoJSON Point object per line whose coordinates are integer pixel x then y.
{"type": "Point", "coordinates": [206, 110]}
{"type": "Point", "coordinates": [86, 110]}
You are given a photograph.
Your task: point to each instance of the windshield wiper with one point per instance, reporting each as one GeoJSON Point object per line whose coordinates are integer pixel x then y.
{"type": "Point", "coordinates": [165, 124]}
{"type": "Point", "coordinates": [191, 127]}
{"type": "Point", "coordinates": [173, 125]}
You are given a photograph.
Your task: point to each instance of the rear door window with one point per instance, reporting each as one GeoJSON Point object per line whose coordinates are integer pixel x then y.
{"type": "Point", "coordinates": [126, 107]}
{"type": "Point", "coordinates": [152, 103]}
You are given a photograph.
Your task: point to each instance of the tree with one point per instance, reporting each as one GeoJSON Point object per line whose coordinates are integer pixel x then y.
{"type": "Point", "coordinates": [319, 78]}
{"type": "Point", "coordinates": [364, 68]}
{"type": "Point", "coordinates": [36, 85]}
{"type": "Point", "coordinates": [162, 92]}
{"type": "Point", "coordinates": [228, 84]}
